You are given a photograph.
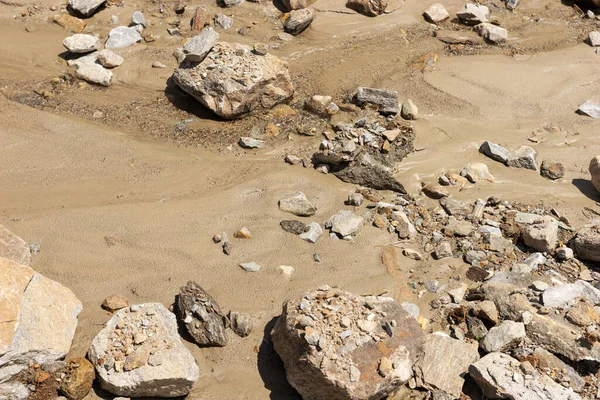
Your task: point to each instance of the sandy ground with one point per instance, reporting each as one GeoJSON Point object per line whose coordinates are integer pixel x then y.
{"type": "Point", "coordinates": [70, 181]}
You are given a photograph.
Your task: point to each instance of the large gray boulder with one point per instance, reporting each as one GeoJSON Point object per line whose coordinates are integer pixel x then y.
{"type": "Point", "coordinates": [38, 319]}
{"type": "Point", "coordinates": [500, 377]}
{"type": "Point", "coordinates": [233, 81]}
{"type": "Point", "coordinates": [340, 357]}
{"type": "Point", "coordinates": [139, 354]}
{"type": "Point", "coordinates": [85, 8]}
{"type": "Point", "coordinates": [201, 315]}
{"type": "Point", "coordinates": [587, 242]}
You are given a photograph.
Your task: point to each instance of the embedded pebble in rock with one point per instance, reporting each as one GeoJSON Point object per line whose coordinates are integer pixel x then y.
{"type": "Point", "coordinates": [435, 191]}
{"type": "Point", "coordinates": [115, 302]}
{"type": "Point", "coordinates": [250, 267]}
{"type": "Point", "coordinates": [552, 171]}
{"type": "Point", "coordinates": [313, 234]}
{"type": "Point", "coordinates": [409, 110]}
{"type": "Point", "coordinates": [472, 14]}
{"type": "Point", "coordinates": [251, 143]}
{"type": "Point", "coordinates": [85, 8]}
{"type": "Point", "coordinates": [475, 172]}
{"type": "Point", "coordinates": [503, 336]}
{"type": "Point", "coordinates": [590, 107]}
{"type": "Point", "coordinates": [436, 13]}
{"type": "Point", "coordinates": [297, 204]}
{"type": "Point", "coordinates": [241, 323]}
{"type": "Point", "coordinates": [122, 365]}
{"type": "Point", "coordinates": [542, 236]}
{"type": "Point", "coordinates": [94, 73]}
{"type": "Point", "coordinates": [495, 151]}
{"type": "Point", "coordinates": [330, 341]}
{"type": "Point", "coordinates": [201, 315]}
{"type": "Point", "coordinates": [385, 100]}
{"type": "Point", "coordinates": [138, 19]}
{"type": "Point", "coordinates": [523, 157]}
{"type": "Point", "coordinates": [197, 47]}
{"type": "Point", "coordinates": [345, 223]}
{"type": "Point", "coordinates": [223, 21]}
{"type": "Point", "coordinates": [109, 59]}
{"type": "Point", "coordinates": [81, 43]}
{"type": "Point", "coordinates": [298, 20]}
{"type": "Point", "coordinates": [122, 36]}
{"type": "Point", "coordinates": [492, 33]}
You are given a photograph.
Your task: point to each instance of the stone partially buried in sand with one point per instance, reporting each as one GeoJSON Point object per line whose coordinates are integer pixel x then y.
{"type": "Point", "coordinates": [325, 360]}
{"type": "Point", "coordinates": [85, 8]}
{"type": "Point", "coordinates": [257, 82]}
{"type": "Point", "coordinates": [492, 33]}
{"type": "Point", "coordinates": [590, 108]}
{"type": "Point", "coordinates": [158, 365]}
{"type": "Point", "coordinates": [94, 73]}
{"type": "Point", "coordinates": [297, 204]}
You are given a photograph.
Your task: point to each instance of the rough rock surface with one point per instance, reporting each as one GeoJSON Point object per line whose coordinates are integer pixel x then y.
{"type": "Point", "coordinates": [436, 13]}
{"type": "Point", "coordinates": [495, 151]}
{"type": "Point", "coordinates": [385, 100]}
{"type": "Point", "coordinates": [594, 169]}
{"type": "Point", "coordinates": [298, 20]}
{"type": "Point", "coordinates": [503, 336]}
{"type": "Point", "coordinates": [85, 8]}
{"type": "Point", "coordinates": [587, 242]}
{"type": "Point", "coordinates": [115, 302]}
{"type": "Point", "coordinates": [476, 172]}
{"type": "Point", "coordinates": [472, 14]}
{"type": "Point", "coordinates": [492, 33]}
{"type": "Point", "coordinates": [344, 223]}
{"type": "Point", "coordinates": [201, 316]}
{"type": "Point", "coordinates": [370, 8]}
{"type": "Point", "coordinates": [542, 236]}
{"type": "Point", "coordinates": [13, 247]}
{"type": "Point", "coordinates": [78, 379]}
{"type": "Point", "coordinates": [81, 43]}
{"type": "Point", "coordinates": [232, 80]}
{"type": "Point", "coordinates": [552, 171]}
{"type": "Point", "coordinates": [297, 204]}
{"type": "Point", "coordinates": [122, 36]}
{"type": "Point", "coordinates": [197, 47]}
{"type": "Point", "coordinates": [500, 377]}
{"type": "Point", "coordinates": [409, 111]}
{"type": "Point", "coordinates": [523, 157]}
{"type": "Point", "coordinates": [94, 73]}
{"type": "Point", "coordinates": [444, 362]}
{"type": "Point", "coordinates": [326, 341]}
{"type": "Point", "coordinates": [157, 364]}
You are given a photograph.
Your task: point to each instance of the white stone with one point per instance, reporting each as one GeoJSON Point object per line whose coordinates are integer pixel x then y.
{"type": "Point", "coordinates": [122, 36]}
{"type": "Point", "coordinates": [81, 43]}
{"type": "Point", "coordinates": [85, 7]}
{"type": "Point", "coordinates": [94, 73]}
{"type": "Point", "coordinates": [436, 13]}
{"type": "Point", "coordinates": [250, 267]}
{"type": "Point", "coordinates": [492, 33]}
{"type": "Point", "coordinates": [590, 108]}
{"type": "Point", "coordinates": [109, 59]}
{"type": "Point", "coordinates": [314, 233]}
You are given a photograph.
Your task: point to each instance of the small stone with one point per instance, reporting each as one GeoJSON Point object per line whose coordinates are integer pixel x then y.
{"type": "Point", "coordinates": [435, 191]}
{"type": "Point", "coordinates": [109, 59]}
{"type": "Point", "coordinates": [115, 302]}
{"type": "Point", "coordinates": [250, 267]}
{"type": "Point", "coordinates": [523, 157]}
{"type": "Point", "coordinates": [503, 336]}
{"type": "Point", "coordinates": [223, 21]}
{"type": "Point", "coordinates": [199, 20]}
{"type": "Point", "coordinates": [552, 171]}
{"type": "Point", "coordinates": [286, 270]}
{"type": "Point", "coordinates": [492, 33]}
{"type": "Point", "coordinates": [457, 295]}
{"type": "Point", "coordinates": [542, 236]}
{"type": "Point", "coordinates": [85, 8]}
{"type": "Point", "coordinates": [292, 159]}
{"type": "Point", "coordinates": [443, 250]}
{"type": "Point", "coordinates": [197, 47]}
{"type": "Point", "coordinates": [81, 43]}
{"type": "Point", "coordinates": [385, 367]}
{"type": "Point", "coordinates": [409, 110]}
{"type": "Point", "coordinates": [436, 13]}
{"type": "Point", "coordinates": [316, 257]}
{"type": "Point", "coordinates": [495, 151]}
{"type": "Point", "coordinates": [475, 172]}
{"type": "Point", "coordinates": [385, 100]}
{"type": "Point", "coordinates": [138, 19]}
{"type": "Point", "coordinates": [313, 234]}
{"type": "Point", "coordinates": [297, 204]}
{"type": "Point", "coordinates": [251, 143]}
{"type": "Point", "coordinates": [355, 199]}
{"type": "Point", "coordinates": [122, 36]}
{"type": "Point", "coordinates": [564, 253]}
{"type": "Point", "coordinates": [158, 64]}
{"type": "Point", "coordinates": [78, 379]}
{"type": "Point", "coordinates": [260, 49]}
{"type": "Point", "coordinates": [594, 38]}
{"type": "Point", "coordinates": [512, 4]}
{"type": "Point", "coordinates": [94, 73]}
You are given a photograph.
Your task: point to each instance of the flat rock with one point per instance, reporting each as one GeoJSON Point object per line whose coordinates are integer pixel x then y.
{"type": "Point", "coordinates": [444, 362]}
{"type": "Point", "coordinates": [94, 73]}
{"type": "Point", "coordinates": [298, 20]}
{"type": "Point", "coordinates": [560, 295]}
{"type": "Point", "coordinates": [85, 8]}
{"type": "Point", "coordinates": [14, 248]}
{"type": "Point", "coordinates": [500, 377]}
{"type": "Point", "coordinates": [459, 228]}
{"type": "Point", "coordinates": [472, 14]}
{"type": "Point", "coordinates": [455, 207]}
{"type": "Point", "coordinates": [590, 108]}
{"type": "Point", "coordinates": [201, 316]}
{"type": "Point", "coordinates": [122, 36]}
{"type": "Point", "coordinates": [549, 360]}
{"type": "Point", "coordinates": [495, 151]}
{"type": "Point", "coordinates": [197, 47]}
{"type": "Point", "coordinates": [109, 59]}
{"type": "Point", "coordinates": [251, 143]}
{"type": "Point", "coordinates": [385, 100]}
{"type": "Point", "coordinates": [512, 4]}
{"type": "Point", "coordinates": [337, 358]}
{"type": "Point", "coordinates": [173, 371]}
{"type": "Point", "coordinates": [492, 33]}
{"type": "Point", "coordinates": [345, 223]}
{"type": "Point", "coordinates": [436, 13]}
{"type": "Point", "coordinates": [250, 267]}
{"type": "Point", "coordinates": [81, 43]}
{"type": "Point", "coordinates": [523, 157]}
{"type": "Point", "coordinates": [458, 37]}
{"type": "Point", "coordinates": [297, 204]}
{"type": "Point", "coordinates": [257, 81]}
{"type": "Point", "coordinates": [503, 336]}
{"type": "Point", "coordinates": [435, 191]}
{"type": "Point", "coordinates": [115, 302]}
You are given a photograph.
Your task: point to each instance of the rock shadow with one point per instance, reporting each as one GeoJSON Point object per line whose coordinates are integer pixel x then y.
{"type": "Point", "coordinates": [280, 6]}
{"type": "Point", "coordinates": [184, 102]}
{"type": "Point", "coordinates": [271, 369]}
{"type": "Point", "coordinates": [586, 187]}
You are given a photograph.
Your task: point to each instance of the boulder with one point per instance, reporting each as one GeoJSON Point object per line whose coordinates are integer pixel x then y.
{"type": "Point", "coordinates": [370, 8]}
{"type": "Point", "coordinates": [38, 319]}
{"type": "Point", "coordinates": [523, 157]}
{"type": "Point", "coordinates": [472, 14]}
{"type": "Point", "coordinates": [590, 108]}
{"type": "Point", "coordinates": [201, 316]}
{"type": "Point", "coordinates": [587, 242]}
{"type": "Point", "coordinates": [139, 354]}
{"type": "Point", "coordinates": [500, 377]}
{"type": "Point", "coordinates": [337, 357]}
{"type": "Point", "coordinates": [81, 43]}
{"type": "Point", "coordinates": [78, 379]}
{"type": "Point", "coordinates": [94, 73]}
{"type": "Point", "coordinates": [436, 13]}
{"type": "Point", "coordinates": [594, 169]}
{"type": "Point", "coordinates": [297, 204]}
{"type": "Point", "coordinates": [495, 151]}
{"type": "Point", "coordinates": [552, 171]}
{"type": "Point", "coordinates": [503, 336]}
{"type": "Point", "coordinates": [385, 100]}
{"type": "Point", "coordinates": [14, 248]}
{"type": "Point", "coordinates": [492, 33]}
{"type": "Point", "coordinates": [443, 364]}
{"type": "Point", "coordinates": [344, 223]}
{"type": "Point", "coordinates": [109, 59]}
{"type": "Point", "coordinates": [409, 111]}
{"type": "Point", "coordinates": [256, 82]}
{"type": "Point", "coordinates": [298, 20]}
{"type": "Point", "coordinates": [297, 4]}
{"type": "Point", "coordinates": [85, 8]}
{"type": "Point", "coordinates": [122, 36]}
{"type": "Point", "coordinates": [197, 47]}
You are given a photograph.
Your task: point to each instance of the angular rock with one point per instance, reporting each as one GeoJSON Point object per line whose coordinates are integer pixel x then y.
{"type": "Point", "coordinates": [241, 323]}
{"type": "Point", "coordinates": [409, 111]}
{"type": "Point", "coordinates": [443, 250]}
{"type": "Point", "coordinates": [542, 236]}
{"type": "Point", "coordinates": [590, 108]}
{"type": "Point", "coordinates": [80, 43]}
{"type": "Point", "coordinates": [115, 302]}
{"type": "Point", "coordinates": [345, 223]}
{"type": "Point", "coordinates": [564, 253]}
{"type": "Point", "coordinates": [459, 228]}
{"type": "Point", "coordinates": [293, 226]}
{"type": "Point", "coordinates": [594, 38]}
{"type": "Point", "coordinates": [94, 73]}
{"type": "Point", "coordinates": [552, 171]}
{"type": "Point", "coordinates": [201, 316]}
{"type": "Point", "coordinates": [85, 8]}
{"type": "Point", "coordinates": [559, 295]}
{"type": "Point", "coordinates": [472, 14]}
{"type": "Point", "coordinates": [313, 234]}
{"type": "Point", "coordinates": [160, 366]}
{"type": "Point", "coordinates": [138, 19]}
{"type": "Point", "coordinates": [436, 13]}
{"type": "Point", "coordinates": [297, 4]}
{"type": "Point", "coordinates": [549, 360]}
{"type": "Point", "coordinates": [78, 380]}
{"type": "Point", "coordinates": [495, 151]}
{"type": "Point", "coordinates": [523, 157]}
{"type": "Point", "coordinates": [355, 199]}
{"type": "Point", "coordinates": [257, 82]}
{"type": "Point", "coordinates": [297, 204]}
{"type": "Point", "coordinates": [298, 20]}
{"type": "Point", "coordinates": [412, 254]}
{"type": "Point", "coordinates": [492, 33]}
{"type": "Point", "coordinates": [122, 36]}
{"type": "Point", "coordinates": [370, 8]}
{"type": "Point", "coordinates": [586, 243]}
{"type": "Point", "coordinates": [444, 362]}
{"type": "Point", "coordinates": [594, 169]}
{"type": "Point", "coordinates": [14, 248]}
{"type": "Point", "coordinates": [197, 47]}
{"type": "Point", "coordinates": [503, 336]}
{"type": "Point", "coordinates": [385, 100]}
{"type": "Point", "coordinates": [109, 59]}
{"type": "Point", "coordinates": [500, 377]}
{"type": "Point", "coordinates": [223, 21]}
{"type": "Point", "coordinates": [435, 191]}
{"type": "Point", "coordinates": [475, 172]}
{"type": "Point", "coordinates": [512, 4]}
{"type": "Point", "coordinates": [369, 172]}
{"type": "Point", "coordinates": [69, 22]}
{"type": "Point", "coordinates": [251, 143]}
{"type": "Point", "coordinates": [324, 361]}
{"type": "Point", "coordinates": [405, 228]}
{"type": "Point", "coordinates": [250, 267]}
{"type": "Point", "coordinates": [455, 207]}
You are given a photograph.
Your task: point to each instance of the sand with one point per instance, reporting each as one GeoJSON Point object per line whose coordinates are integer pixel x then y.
{"type": "Point", "coordinates": [70, 181]}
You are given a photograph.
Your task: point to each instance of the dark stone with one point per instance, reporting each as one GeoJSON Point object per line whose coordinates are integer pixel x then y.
{"type": "Point", "coordinates": [552, 171]}
{"type": "Point", "coordinates": [477, 274]}
{"type": "Point", "coordinates": [293, 226]}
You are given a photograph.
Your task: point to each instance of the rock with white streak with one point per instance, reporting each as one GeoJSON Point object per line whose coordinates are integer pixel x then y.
{"type": "Point", "coordinates": [94, 73]}
{"type": "Point", "coordinates": [81, 43]}
{"type": "Point", "coordinates": [590, 108]}
{"type": "Point", "coordinates": [492, 33]}
{"type": "Point", "coordinates": [197, 47]}
{"type": "Point", "coordinates": [122, 36]}
{"type": "Point", "coordinates": [436, 13]}
{"type": "Point", "coordinates": [344, 223]}
{"type": "Point", "coordinates": [85, 8]}
{"type": "Point", "coordinates": [472, 14]}
{"type": "Point", "coordinates": [109, 59]}
{"type": "Point", "coordinates": [297, 204]}
{"type": "Point", "coordinates": [156, 365]}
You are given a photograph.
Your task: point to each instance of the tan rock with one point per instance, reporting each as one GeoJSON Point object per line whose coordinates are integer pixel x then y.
{"type": "Point", "coordinates": [243, 233]}
{"type": "Point", "coordinates": [13, 247]}
{"type": "Point", "coordinates": [78, 380]}
{"type": "Point", "coordinates": [70, 23]}
{"type": "Point", "coordinates": [297, 4]}
{"type": "Point", "coordinates": [115, 302]}
{"type": "Point", "coordinates": [14, 278]}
